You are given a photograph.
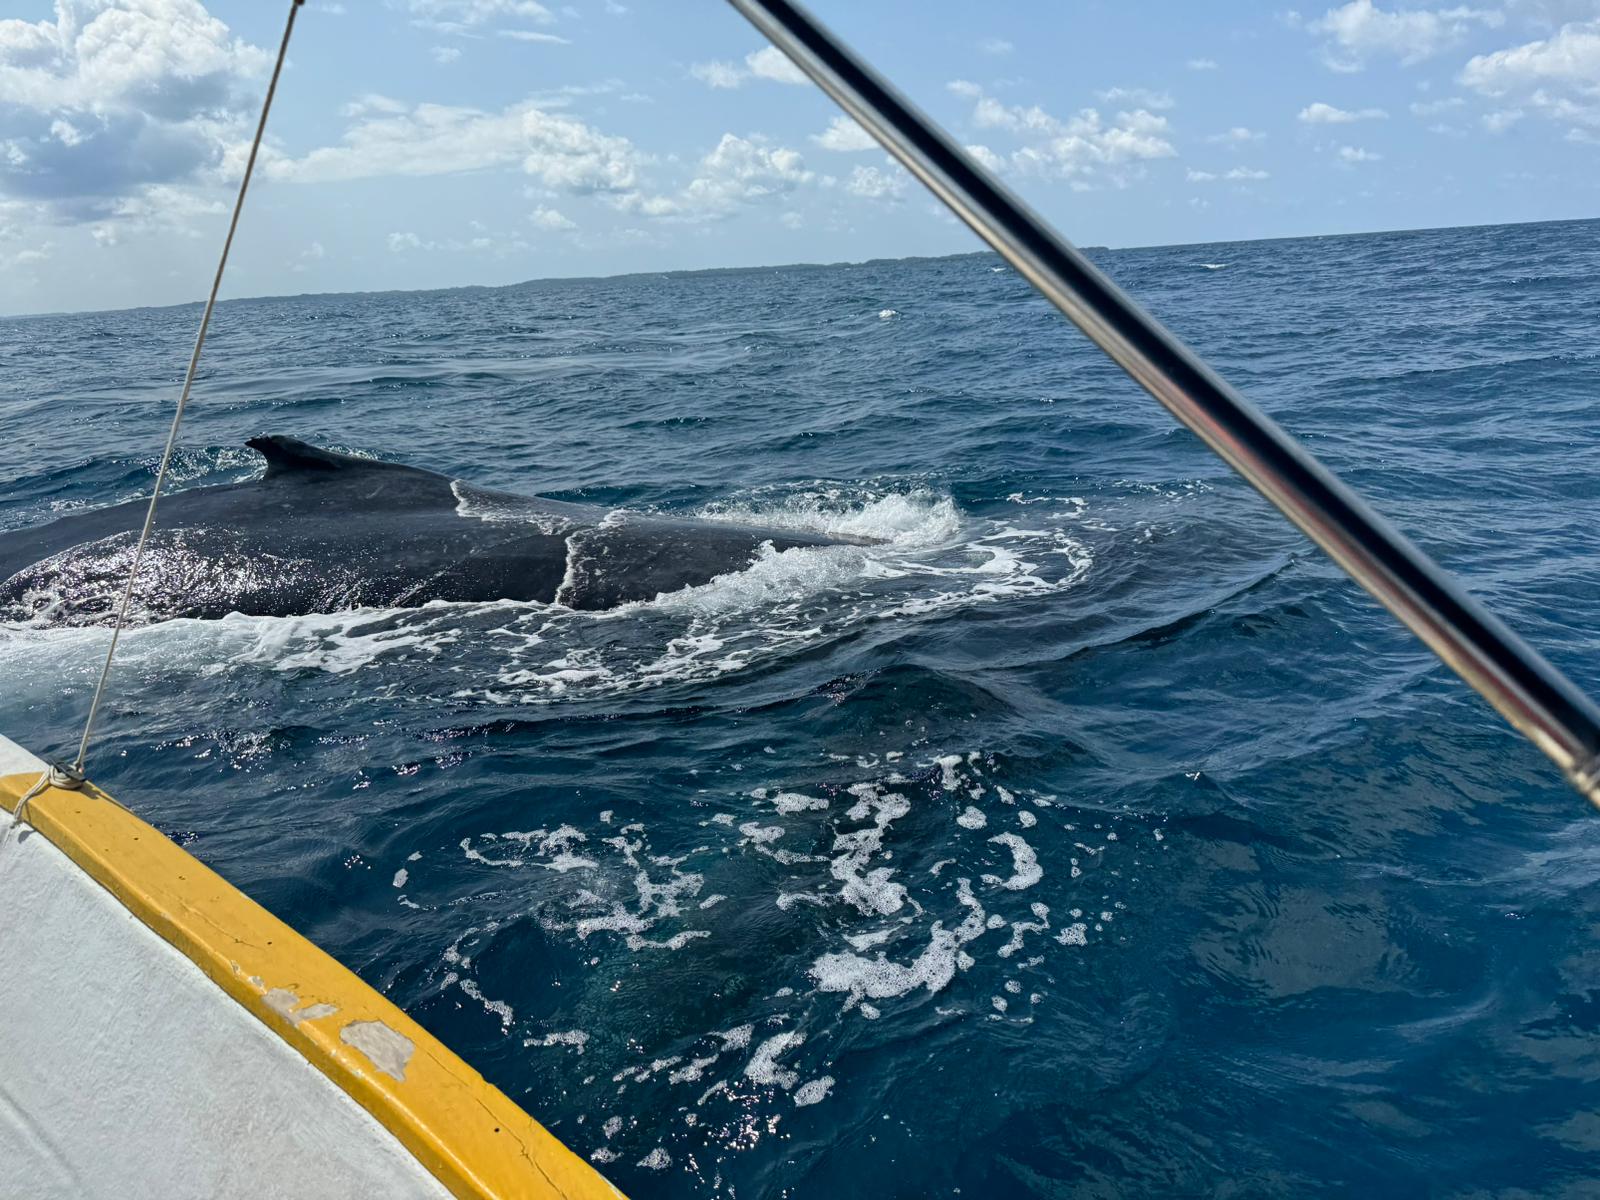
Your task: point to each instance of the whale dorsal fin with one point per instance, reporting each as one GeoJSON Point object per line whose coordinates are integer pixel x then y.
{"type": "Point", "coordinates": [290, 456]}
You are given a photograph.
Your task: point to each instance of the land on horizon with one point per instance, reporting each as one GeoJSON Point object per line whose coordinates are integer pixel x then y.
{"type": "Point", "coordinates": [783, 266]}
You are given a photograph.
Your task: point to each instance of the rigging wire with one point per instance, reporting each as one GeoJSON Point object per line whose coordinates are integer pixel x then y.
{"type": "Point", "coordinates": [183, 396]}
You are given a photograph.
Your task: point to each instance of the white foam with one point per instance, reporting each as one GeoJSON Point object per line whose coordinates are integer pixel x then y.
{"type": "Point", "coordinates": [760, 835]}
{"type": "Point", "coordinates": [794, 802]}
{"type": "Point", "coordinates": [882, 979]}
{"type": "Point", "coordinates": [866, 941]}
{"type": "Point", "coordinates": [813, 1092]}
{"type": "Point", "coordinates": [693, 1071]}
{"type": "Point", "coordinates": [1020, 929]}
{"type": "Point", "coordinates": [576, 1038]}
{"type": "Point", "coordinates": [872, 890]}
{"type": "Point", "coordinates": [972, 818]}
{"type": "Point", "coordinates": [898, 520]}
{"type": "Point", "coordinates": [763, 1066]}
{"type": "Point", "coordinates": [552, 852]}
{"type": "Point", "coordinates": [498, 1008]}
{"type": "Point", "coordinates": [1025, 869]}
{"type": "Point", "coordinates": [657, 1160]}
{"type": "Point", "coordinates": [507, 508]}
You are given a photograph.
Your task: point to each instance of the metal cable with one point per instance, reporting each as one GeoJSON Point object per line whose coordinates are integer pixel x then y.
{"type": "Point", "coordinates": [1536, 698]}
{"type": "Point", "coordinates": [183, 396]}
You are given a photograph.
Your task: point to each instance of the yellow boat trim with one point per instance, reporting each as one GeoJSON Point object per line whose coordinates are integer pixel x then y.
{"type": "Point", "coordinates": [461, 1128]}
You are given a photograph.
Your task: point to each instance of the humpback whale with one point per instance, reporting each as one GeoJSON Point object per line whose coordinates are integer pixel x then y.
{"type": "Point", "coordinates": [322, 531]}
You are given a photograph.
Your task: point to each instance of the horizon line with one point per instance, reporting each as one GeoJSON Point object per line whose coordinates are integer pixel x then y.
{"type": "Point", "coordinates": [817, 265]}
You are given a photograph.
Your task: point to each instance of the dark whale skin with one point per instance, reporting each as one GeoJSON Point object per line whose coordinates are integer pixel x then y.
{"type": "Point", "coordinates": [324, 532]}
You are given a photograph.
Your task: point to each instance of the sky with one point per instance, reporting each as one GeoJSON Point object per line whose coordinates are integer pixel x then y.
{"type": "Point", "coordinates": [436, 143]}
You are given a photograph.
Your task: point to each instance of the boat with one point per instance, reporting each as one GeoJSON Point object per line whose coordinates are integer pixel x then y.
{"type": "Point", "coordinates": [165, 1035]}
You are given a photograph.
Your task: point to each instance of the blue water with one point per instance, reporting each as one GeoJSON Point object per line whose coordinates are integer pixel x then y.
{"type": "Point", "coordinates": [712, 885]}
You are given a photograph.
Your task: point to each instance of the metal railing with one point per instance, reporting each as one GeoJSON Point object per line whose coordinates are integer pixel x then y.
{"type": "Point", "coordinates": [1527, 690]}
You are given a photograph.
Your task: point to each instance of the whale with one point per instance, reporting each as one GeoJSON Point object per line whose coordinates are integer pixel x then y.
{"type": "Point", "coordinates": [321, 531]}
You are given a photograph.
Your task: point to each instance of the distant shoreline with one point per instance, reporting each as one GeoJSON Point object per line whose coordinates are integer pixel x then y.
{"type": "Point", "coordinates": [791, 266]}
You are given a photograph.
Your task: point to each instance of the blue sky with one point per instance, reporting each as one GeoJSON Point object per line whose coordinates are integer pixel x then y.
{"type": "Point", "coordinates": [428, 143]}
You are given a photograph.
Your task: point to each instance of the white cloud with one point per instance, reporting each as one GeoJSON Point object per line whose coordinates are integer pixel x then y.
{"type": "Point", "coordinates": [718, 74]}
{"type": "Point", "coordinates": [1077, 148]}
{"type": "Point", "coordinates": [738, 171]}
{"type": "Point", "coordinates": [1432, 108]}
{"type": "Point", "coordinates": [987, 158]}
{"type": "Point", "coordinates": [1326, 114]}
{"type": "Point", "coordinates": [1502, 119]}
{"type": "Point", "coordinates": [551, 219]}
{"type": "Point", "coordinates": [1557, 77]}
{"type": "Point", "coordinates": [471, 18]}
{"type": "Point", "coordinates": [1239, 135]}
{"type": "Point", "coordinates": [390, 139]}
{"type": "Point", "coordinates": [533, 35]}
{"type": "Point", "coordinates": [112, 97]}
{"type": "Point", "coordinates": [771, 63]}
{"type": "Point", "coordinates": [65, 132]}
{"type": "Point", "coordinates": [404, 243]}
{"type": "Point", "coordinates": [1355, 154]}
{"type": "Point", "coordinates": [996, 46]}
{"type": "Point", "coordinates": [1143, 97]}
{"type": "Point", "coordinates": [30, 256]}
{"type": "Point", "coordinates": [844, 135]}
{"type": "Point", "coordinates": [767, 63]}
{"type": "Point", "coordinates": [1571, 57]}
{"type": "Point", "coordinates": [1202, 64]}
{"type": "Point", "coordinates": [1233, 175]}
{"type": "Point", "coordinates": [873, 183]}
{"type": "Point", "coordinates": [444, 55]}
{"type": "Point", "coordinates": [312, 253]}
{"type": "Point", "coordinates": [1360, 30]}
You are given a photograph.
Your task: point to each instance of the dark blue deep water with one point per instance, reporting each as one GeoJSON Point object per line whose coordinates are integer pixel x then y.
{"type": "Point", "coordinates": [1090, 837]}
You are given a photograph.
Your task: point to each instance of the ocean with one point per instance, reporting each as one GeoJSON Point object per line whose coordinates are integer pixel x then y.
{"type": "Point", "coordinates": [1090, 835]}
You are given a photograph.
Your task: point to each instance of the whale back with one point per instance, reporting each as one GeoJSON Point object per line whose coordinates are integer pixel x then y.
{"type": "Point", "coordinates": [329, 478]}
{"type": "Point", "coordinates": [322, 531]}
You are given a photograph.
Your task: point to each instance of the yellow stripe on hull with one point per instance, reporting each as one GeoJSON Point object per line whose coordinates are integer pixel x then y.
{"type": "Point", "coordinates": [462, 1129]}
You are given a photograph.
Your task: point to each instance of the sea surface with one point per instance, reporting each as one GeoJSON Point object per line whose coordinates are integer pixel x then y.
{"type": "Point", "coordinates": [1090, 836]}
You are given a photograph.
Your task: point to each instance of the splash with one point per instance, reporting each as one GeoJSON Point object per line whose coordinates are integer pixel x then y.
{"type": "Point", "coordinates": [921, 557]}
{"type": "Point", "coordinates": [880, 933]}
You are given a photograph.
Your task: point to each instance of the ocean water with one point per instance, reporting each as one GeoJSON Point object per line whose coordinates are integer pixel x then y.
{"type": "Point", "coordinates": [1089, 836]}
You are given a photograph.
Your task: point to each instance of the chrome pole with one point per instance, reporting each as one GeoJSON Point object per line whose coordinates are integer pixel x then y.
{"type": "Point", "coordinates": [1526, 689]}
